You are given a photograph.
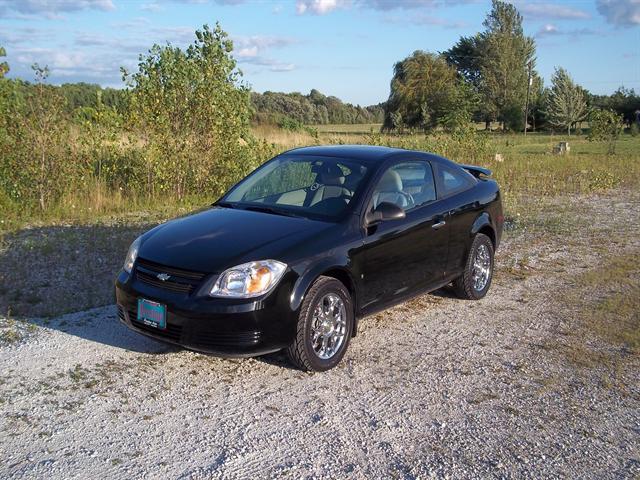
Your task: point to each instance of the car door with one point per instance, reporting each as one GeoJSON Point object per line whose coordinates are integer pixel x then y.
{"type": "Point", "coordinates": [407, 255]}
{"type": "Point", "coordinates": [455, 191]}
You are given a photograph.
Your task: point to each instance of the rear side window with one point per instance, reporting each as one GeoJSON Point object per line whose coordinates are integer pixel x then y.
{"type": "Point", "coordinates": [452, 180]}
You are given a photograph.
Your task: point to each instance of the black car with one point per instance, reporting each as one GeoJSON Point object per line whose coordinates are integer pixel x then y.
{"type": "Point", "coordinates": [295, 254]}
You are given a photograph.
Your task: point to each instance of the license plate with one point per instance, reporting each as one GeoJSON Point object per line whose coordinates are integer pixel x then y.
{"type": "Point", "coordinates": [152, 313]}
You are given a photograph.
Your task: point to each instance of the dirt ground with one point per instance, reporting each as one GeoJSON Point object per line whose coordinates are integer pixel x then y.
{"type": "Point", "coordinates": [539, 379]}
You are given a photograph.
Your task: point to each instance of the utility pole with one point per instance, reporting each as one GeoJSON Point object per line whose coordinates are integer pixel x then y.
{"type": "Point", "coordinates": [526, 105]}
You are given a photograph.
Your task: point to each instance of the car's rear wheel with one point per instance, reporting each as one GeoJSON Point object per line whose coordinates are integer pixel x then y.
{"type": "Point", "coordinates": [325, 325]}
{"type": "Point", "coordinates": [474, 283]}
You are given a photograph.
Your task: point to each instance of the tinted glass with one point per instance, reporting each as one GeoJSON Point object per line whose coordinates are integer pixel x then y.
{"type": "Point", "coordinates": [408, 185]}
{"type": "Point", "coordinates": [453, 180]}
{"type": "Point", "coordinates": [305, 185]}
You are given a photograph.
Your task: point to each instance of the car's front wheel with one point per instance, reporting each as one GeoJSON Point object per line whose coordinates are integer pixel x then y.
{"type": "Point", "coordinates": [474, 283]}
{"type": "Point", "coordinates": [325, 325]}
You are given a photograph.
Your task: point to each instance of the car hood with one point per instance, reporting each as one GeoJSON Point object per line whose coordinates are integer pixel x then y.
{"type": "Point", "coordinates": [219, 238]}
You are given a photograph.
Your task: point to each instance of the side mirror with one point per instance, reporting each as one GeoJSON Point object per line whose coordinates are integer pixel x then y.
{"type": "Point", "coordinates": [383, 212]}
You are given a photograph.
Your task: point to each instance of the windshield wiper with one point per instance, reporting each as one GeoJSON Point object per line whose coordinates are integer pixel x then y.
{"type": "Point", "coordinates": [267, 209]}
{"type": "Point", "coordinates": [224, 205]}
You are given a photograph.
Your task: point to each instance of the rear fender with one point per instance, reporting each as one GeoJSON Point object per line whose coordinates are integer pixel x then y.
{"type": "Point", "coordinates": [482, 222]}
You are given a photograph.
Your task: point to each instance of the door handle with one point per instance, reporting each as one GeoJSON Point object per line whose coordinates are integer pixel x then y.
{"type": "Point", "coordinates": [438, 225]}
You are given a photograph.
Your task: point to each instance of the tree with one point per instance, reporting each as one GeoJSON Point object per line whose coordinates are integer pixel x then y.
{"type": "Point", "coordinates": [566, 103]}
{"type": "Point", "coordinates": [505, 54]}
{"type": "Point", "coordinates": [195, 111]}
{"type": "Point", "coordinates": [466, 57]}
{"type": "Point", "coordinates": [38, 132]}
{"type": "Point", "coordinates": [605, 125]}
{"type": "Point", "coordinates": [4, 66]}
{"type": "Point", "coordinates": [496, 62]}
{"type": "Point", "coordinates": [424, 90]}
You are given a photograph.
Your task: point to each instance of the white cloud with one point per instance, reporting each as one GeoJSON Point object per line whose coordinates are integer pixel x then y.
{"type": "Point", "coordinates": [547, 29]}
{"type": "Point", "coordinates": [96, 67]}
{"type": "Point", "coordinates": [151, 7]}
{"type": "Point", "coordinates": [410, 4]}
{"type": "Point", "coordinates": [254, 50]}
{"type": "Point", "coordinates": [248, 52]}
{"type": "Point", "coordinates": [425, 20]}
{"type": "Point", "coordinates": [551, 30]}
{"type": "Point", "coordinates": [622, 13]}
{"type": "Point", "coordinates": [550, 10]}
{"type": "Point", "coordinates": [320, 7]}
{"type": "Point", "coordinates": [52, 8]}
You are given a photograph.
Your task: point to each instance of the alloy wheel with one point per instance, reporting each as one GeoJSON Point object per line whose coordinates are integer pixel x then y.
{"type": "Point", "coordinates": [329, 326]}
{"type": "Point", "coordinates": [481, 268]}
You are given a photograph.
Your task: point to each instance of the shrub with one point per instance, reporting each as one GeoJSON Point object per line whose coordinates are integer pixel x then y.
{"type": "Point", "coordinates": [606, 125]}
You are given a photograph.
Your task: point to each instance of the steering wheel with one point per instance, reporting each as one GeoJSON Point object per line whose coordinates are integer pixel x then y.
{"type": "Point", "coordinates": [409, 198]}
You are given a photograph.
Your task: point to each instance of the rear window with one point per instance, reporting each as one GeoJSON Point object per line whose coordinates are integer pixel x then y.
{"type": "Point", "coordinates": [452, 180]}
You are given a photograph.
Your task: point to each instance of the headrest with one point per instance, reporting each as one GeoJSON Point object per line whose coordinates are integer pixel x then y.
{"type": "Point", "coordinates": [329, 174]}
{"type": "Point", "coordinates": [390, 182]}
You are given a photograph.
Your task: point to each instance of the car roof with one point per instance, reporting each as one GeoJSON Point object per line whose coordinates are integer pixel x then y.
{"type": "Point", "coordinates": [368, 153]}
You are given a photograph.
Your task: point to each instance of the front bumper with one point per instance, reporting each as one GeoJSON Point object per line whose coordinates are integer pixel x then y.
{"type": "Point", "coordinates": [217, 326]}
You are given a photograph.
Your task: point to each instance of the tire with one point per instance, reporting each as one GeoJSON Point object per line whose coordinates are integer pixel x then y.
{"type": "Point", "coordinates": [465, 285]}
{"type": "Point", "coordinates": [326, 291]}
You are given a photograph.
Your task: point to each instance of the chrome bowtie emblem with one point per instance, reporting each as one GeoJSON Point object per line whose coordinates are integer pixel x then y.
{"type": "Point", "coordinates": [163, 276]}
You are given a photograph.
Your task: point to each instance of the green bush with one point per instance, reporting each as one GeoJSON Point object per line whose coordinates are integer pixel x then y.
{"type": "Point", "coordinates": [606, 125]}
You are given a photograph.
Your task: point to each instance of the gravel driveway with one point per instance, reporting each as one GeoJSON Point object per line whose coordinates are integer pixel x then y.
{"type": "Point", "coordinates": [437, 387]}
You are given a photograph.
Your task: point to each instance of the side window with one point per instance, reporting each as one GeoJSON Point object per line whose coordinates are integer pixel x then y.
{"type": "Point", "coordinates": [407, 184]}
{"type": "Point", "coordinates": [453, 180]}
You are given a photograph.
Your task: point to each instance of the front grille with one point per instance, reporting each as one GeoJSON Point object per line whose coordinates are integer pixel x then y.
{"type": "Point", "coordinates": [181, 281]}
{"type": "Point", "coordinates": [172, 332]}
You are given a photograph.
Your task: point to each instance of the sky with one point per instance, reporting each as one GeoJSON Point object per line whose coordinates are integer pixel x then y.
{"type": "Point", "coordinates": [345, 48]}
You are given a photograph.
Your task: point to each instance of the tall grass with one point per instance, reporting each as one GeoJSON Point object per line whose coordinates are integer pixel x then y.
{"type": "Point", "coordinates": [528, 169]}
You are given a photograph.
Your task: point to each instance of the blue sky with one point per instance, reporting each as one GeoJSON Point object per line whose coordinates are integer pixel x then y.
{"type": "Point", "coordinates": [345, 48]}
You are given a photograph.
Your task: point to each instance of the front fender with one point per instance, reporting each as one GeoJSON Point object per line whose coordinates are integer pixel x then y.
{"type": "Point", "coordinates": [307, 277]}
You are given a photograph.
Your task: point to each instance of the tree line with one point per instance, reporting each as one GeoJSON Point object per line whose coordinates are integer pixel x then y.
{"type": "Point", "coordinates": [274, 108]}
{"type": "Point", "coordinates": [312, 109]}
{"type": "Point", "coordinates": [491, 77]}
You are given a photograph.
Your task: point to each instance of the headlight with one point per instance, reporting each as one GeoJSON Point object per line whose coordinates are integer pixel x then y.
{"type": "Point", "coordinates": [249, 279]}
{"type": "Point", "coordinates": [132, 254]}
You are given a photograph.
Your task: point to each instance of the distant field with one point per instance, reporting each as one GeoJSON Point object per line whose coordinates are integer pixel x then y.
{"type": "Point", "coordinates": [348, 128]}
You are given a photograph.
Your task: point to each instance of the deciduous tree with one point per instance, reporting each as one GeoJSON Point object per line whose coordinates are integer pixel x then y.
{"type": "Point", "coordinates": [424, 91]}
{"type": "Point", "coordinates": [194, 108]}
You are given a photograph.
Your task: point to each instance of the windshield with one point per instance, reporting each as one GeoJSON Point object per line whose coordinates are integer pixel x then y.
{"type": "Point", "coordinates": [303, 185]}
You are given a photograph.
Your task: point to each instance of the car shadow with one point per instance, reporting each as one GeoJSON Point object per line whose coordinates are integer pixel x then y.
{"type": "Point", "coordinates": [50, 271]}
{"type": "Point", "coordinates": [101, 325]}
{"type": "Point", "coordinates": [444, 292]}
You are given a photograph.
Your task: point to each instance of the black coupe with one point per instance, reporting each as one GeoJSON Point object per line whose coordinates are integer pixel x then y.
{"type": "Point", "coordinates": [306, 245]}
